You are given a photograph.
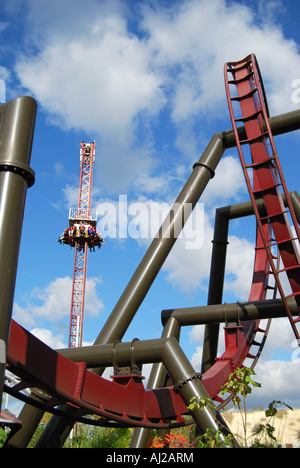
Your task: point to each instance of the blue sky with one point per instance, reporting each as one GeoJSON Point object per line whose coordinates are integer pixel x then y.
{"type": "Point", "coordinates": [144, 79]}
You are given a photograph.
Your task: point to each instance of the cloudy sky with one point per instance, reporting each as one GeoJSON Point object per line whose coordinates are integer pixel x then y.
{"type": "Point", "coordinates": [144, 79]}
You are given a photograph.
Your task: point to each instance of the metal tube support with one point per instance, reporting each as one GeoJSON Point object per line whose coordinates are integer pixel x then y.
{"type": "Point", "coordinates": [101, 355]}
{"type": "Point", "coordinates": [156, 379]}
{"type": "Point", "coordinates": [189, 386]}
{"type": "Point", "coordinates": [223, 313]}
{"type": "Point", "coordinates": [17, 121]}
{"type": "Point", "coordinates": [216, 283]}
{"type": "Point", "coordinates": [98, 355]}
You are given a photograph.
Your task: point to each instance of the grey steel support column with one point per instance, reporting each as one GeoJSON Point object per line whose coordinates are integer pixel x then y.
{"type": "Point", "coordinates": [156, 379]}
{"type": "Point", "coordinates": [17, 121]}
{"type": "Point", "coordinates": [216, 282]}
{"type": "Point", "coordinates": [217, 274]}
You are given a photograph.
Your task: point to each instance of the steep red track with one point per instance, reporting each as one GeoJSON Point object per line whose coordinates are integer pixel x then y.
{"type": "Point", "coordinates": [248, 106]}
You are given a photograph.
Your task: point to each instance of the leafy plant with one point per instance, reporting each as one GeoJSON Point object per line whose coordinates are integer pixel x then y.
{"type": "Point", "coordinates": [3, 436]}
{"type": "Point", "coordinates": [213, 439]}
{"type": "Point", "coordinates": [100, 437]}
{"type": "Point", "coordinates": [240, 384]}
{"type": "Point", "coordinates": [265, 433]}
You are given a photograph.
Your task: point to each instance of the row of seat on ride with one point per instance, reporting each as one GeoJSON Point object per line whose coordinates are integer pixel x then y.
{"type": "Point", "coordinates": [81, 233]}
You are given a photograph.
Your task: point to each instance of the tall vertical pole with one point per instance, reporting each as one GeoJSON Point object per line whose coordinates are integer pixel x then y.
{"type": "Point", "coordinates": [17, 120]}
{"type": "Point", "coordinates": [78, 295]}
{"type": "Point", "coordinates": [82, 216]}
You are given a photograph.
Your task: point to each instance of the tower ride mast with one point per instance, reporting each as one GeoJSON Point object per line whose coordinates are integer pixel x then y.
{"type": "Point", "coordinates": [81, 234]}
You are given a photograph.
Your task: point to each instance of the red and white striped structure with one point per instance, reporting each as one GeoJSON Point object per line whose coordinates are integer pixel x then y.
{"type": "Point", "coordinates": [81, 216]}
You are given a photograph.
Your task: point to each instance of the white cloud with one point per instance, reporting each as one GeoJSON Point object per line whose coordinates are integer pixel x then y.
{"type": "Point", "coordinates": [239, 267]}
{"type": "Point", "coordinates": [53, 302]}
{"type": "Point", "coordinates": [187, 268]}
{"type": "Point", "coordinates": [280, 337]}
{"type": "Point", "coordinates": [216, 33]}
{"type": "Point", "coordinates": [279, 381]}
{"type": "Point", "coordinates": [196, 359]}
{"type": "Point", "coordinates": [98, 87]}
{"type": "Point", "coordinates": [54, 299]}
{"type": "Point", "coordinates": [4, 72]}
{"type": "Point", "coordinates": [228, 183]}
{"type": "Point", "coordinates": [93, 73]}
{"type": "Point", "coordinates": [23, 316]}
{"type": "Point", "coordinates": [93, 304]}
{"type": "Point", "coordinates": [47, 337]}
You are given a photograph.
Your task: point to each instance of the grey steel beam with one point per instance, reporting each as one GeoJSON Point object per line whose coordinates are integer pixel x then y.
{"type": "Point", "coordinates": [216, 283]}
{"type": "Point", "coordinates": [17, 121]}
{"type": "Point", "coordinates": [102, 355]}
{"type": "Point", "coordinates": [157, 379]}
{"type": "Point", "coordinates": [226, 313]}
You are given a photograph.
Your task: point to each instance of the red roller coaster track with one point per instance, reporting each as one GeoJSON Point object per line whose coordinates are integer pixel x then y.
{"type": "Point", "coordinates": [268, 179]}
{"type": "Point", "coordinates": [124, 401]}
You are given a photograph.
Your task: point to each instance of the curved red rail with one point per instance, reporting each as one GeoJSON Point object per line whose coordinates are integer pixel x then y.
{"type": "Point", "coordinates": [247, 106]}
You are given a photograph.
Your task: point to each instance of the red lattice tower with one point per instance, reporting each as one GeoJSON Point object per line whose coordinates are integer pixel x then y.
{"type": "Point", "coordinates": [83, 216]}
{"type": "Point", "coordinates": [81, 234]}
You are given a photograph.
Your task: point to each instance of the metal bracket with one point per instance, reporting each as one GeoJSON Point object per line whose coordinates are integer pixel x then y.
{"type": "Point", "coordinates": [212, 172]}
{"type": "Point", "coordinates": [182, 382]}
{"type": "Point", "coordinates": [19, 168]}
{"type": "Point", "coordinates": [236, 323]}
{"type": "Point", "coordinates": [133, 369]}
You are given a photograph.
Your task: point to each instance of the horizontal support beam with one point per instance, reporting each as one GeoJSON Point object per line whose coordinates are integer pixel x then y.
{"type": "Point", "coordinates": [235, 312]}
{"type": "Point", "coordinates": [150, 351]}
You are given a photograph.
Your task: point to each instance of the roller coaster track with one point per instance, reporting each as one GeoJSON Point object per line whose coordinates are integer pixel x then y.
{"type": "Point", "coordinates": [55, 380]}
{"type": "Point", "coordinates": [248, 106]}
